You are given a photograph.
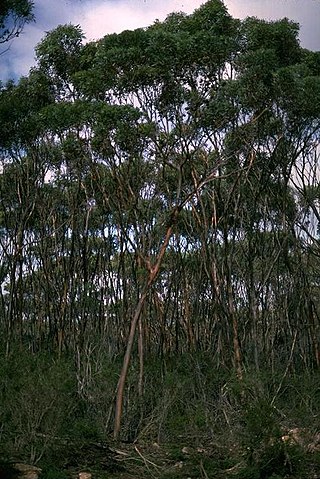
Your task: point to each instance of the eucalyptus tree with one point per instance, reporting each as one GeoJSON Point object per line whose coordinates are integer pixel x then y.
{"type": "Point", "coordinates": [22, 171]}
{"type": "Point", "coordinates": [169, 92]}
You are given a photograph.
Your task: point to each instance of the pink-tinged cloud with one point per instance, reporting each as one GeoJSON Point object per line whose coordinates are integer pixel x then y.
{"type": "Point", "coordinates": [102, 17]}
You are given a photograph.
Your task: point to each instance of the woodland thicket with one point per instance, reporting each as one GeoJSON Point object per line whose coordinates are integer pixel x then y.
{"type": "Point", "coordinates": [159, 231]}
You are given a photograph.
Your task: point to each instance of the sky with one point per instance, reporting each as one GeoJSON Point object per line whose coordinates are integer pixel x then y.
{"type": "Point", "coordinates": [100, 17]}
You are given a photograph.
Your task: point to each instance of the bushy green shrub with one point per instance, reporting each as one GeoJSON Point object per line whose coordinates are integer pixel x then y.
{"type": "Point", "coordinates": [37, 402]}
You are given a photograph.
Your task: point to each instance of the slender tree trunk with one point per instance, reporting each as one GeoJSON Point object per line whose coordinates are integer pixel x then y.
{"type": "Point", "coordinates": [153, 273]}
{"type": "Point", "coordinates": [141, 360]}
{"type": "Point", "coordinates": [235, 329]}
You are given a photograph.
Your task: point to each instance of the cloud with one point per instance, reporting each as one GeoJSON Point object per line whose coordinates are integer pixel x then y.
{"type": "Point", "coordinates": [20, 56]}
{"type": "Point", "coordinates": [102, 17]}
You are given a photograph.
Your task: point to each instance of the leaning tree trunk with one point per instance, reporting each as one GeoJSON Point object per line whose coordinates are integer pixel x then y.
{"type": "Point", "coordinates": [153, 273]}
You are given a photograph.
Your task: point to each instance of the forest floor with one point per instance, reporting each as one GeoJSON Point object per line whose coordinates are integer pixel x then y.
{"type": "Point", "coordinates": [187, 460]}
{"type": "Point", "coordinates": [168, 461]}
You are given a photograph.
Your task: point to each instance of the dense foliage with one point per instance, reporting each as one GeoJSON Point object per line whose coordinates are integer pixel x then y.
{"type": "Point", "coordinates": [163, 183]}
